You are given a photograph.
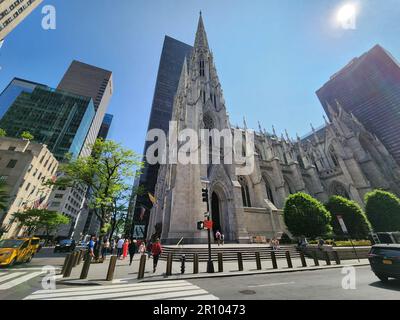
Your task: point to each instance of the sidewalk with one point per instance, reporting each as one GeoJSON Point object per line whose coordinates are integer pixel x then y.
{"type": "Point", "coordinates": [128, 274]}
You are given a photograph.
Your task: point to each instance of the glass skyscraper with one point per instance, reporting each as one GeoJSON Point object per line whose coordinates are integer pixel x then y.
{"type": "Point", "coordinates": [59, 119]}
{"type": "Point", "coordinates": [169, 71]}
{"type": "Point", "coordinates": [369, 87]}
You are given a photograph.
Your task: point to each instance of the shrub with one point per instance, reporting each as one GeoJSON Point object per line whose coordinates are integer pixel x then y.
{"type": "Point", "coordinates": [356, 221]}
{"type": "Point", "coordinates": [383, 210]}
{"type": "Point", "coordinates": [306, 216]}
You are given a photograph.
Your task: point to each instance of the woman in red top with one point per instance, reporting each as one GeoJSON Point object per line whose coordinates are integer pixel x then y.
{"type": "Point", "coordinates": [125, 249]}
{"type": "Point", "coordinates": [156, 251]}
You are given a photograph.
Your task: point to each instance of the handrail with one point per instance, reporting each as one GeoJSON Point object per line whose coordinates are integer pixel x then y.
{"type": "Point", "coordinates": [179, 242]}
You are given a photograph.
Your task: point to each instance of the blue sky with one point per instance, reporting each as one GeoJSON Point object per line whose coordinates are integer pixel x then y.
{"type": "Point", "coordinates": [271, 55]}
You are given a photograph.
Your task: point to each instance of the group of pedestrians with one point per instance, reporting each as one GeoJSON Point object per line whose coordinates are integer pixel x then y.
{"type": "Point", "coordinates": [220, 238]}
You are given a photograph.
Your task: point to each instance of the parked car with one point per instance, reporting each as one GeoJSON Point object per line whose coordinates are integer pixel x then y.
{"type": "Point", "coordinates": [385, 261]}
{"type": "Point", "coordinates": [66, 245]}
{"type": "Point", "coordinates": [14, 251]}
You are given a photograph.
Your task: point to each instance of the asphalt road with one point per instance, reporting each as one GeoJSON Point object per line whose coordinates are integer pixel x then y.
{"type": "Point", "coordinates": [305, 285]}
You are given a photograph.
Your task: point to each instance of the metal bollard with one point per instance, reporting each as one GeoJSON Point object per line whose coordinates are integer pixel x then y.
{"type": "Point", "coordinates": [316, 262]}
{"type": "Point", "coordinates": [142, 266]}
{"type": "Point", "coordinates": [258, 261]}
{"type": "Point", "coordinates": [220, 262]}
{"type": "Point", "coordinates": [336, 256]}
{"type": "Point", "coordinates": [81, 254]}
{"type": "Point", "coordinates": [303, 260]}
{"type": "Point", "coordinates": [183, 260]}
{"type": "Point", "coordinates": [169, 264]}
{"type": "Point", "coordinates": [273, 258]}
{"type": "Point", "coordinates": [195, 263]}
{"type": "Point", "coordinates": [288, 259]}
{"type": "Point", "coordinates": [327, 258]}
{"type": "Point", "coordinates": [65, 262]}
{"type": "Point", "coordinates": [86, 266]}
{"type": "Point", "coordinates": [111, 268]}
{"type": "Point", "coordinates": [69, 266]}
{"type": "Point", "coordinates": [76, 257]}
{"type": "Point", "coordinates": [240, 261]}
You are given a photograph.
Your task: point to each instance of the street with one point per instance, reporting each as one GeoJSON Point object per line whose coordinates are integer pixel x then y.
{"type": "Point", "coordinates": [25, 282]}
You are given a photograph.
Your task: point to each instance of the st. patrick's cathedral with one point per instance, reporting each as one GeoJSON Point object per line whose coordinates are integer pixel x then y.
{"type": "Point", "coordinates": [342, 158]}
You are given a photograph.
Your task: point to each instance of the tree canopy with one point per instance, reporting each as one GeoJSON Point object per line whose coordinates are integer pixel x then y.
{"type": "Point", "coordinates": [383, 210]}
{"type": "Point", "coordinates": [3, 132]}
{"type": "Point", "coordinates": [27, 135]}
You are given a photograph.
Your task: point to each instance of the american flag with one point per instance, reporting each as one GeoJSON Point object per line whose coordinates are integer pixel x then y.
{"type": "Point", "coordinates": [142, 211]}
{"type": "Point", "coordinates": [38, 202]}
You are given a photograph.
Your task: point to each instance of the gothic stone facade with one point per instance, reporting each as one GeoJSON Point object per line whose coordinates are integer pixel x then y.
{"type": "Point", "coordinates": [342, 158]}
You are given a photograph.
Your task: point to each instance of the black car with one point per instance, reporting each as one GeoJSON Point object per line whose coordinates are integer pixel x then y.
{"type": "Point", "coordinates": [66, 245]}
{"type": "Point", "coordinates": [385, 261]}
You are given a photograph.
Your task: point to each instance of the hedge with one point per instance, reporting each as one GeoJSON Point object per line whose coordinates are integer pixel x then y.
{"type": "Point", "coordinates": [383, 211]}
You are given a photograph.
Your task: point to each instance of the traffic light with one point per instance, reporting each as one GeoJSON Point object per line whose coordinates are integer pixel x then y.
{"type": "Point", "coordinates": [200, 225]}
{"type": "Point", "coordinates": [204, 193]}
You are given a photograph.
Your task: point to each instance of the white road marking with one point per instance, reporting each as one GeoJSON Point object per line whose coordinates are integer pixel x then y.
{"type": "Point", "coordinates": [271, 284]}
{"type": "Point", "coordinates": [139, 291]}
{"type": "Point", "coordinates": [16, 282]}
{"type": "Point", "coordinates": [10, 276]}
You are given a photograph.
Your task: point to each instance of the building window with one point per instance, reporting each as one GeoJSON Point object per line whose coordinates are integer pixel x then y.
{"type": "Point", "coordinates": [27, 186]}
{"type": "Point", "coordinates": [58, 196]}
{"type": "Point", "coordinates": [333, 156]}
{"type": "Point", "coordinates": [11, 148]}
{"type": "Point", "coordinates": [202, 73]}
{"type": "Point", "coordinates": [11, 164]}
{"type": "Point", "coordinates": [245, 192]}
{"type": "Point", "coordinates": [269, 192]}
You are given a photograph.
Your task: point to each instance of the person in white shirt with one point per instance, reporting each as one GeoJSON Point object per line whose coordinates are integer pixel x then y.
{"type": "Point", "coordinates": [120, 244]}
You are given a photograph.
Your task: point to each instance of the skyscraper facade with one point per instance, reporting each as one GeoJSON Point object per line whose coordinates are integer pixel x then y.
{"type": "Point", "coordinates": [369, 88]}
{"type": "Point", "coordinates": [12, 12]}
{"type": "Point", "coordinates": [172, 58]}
{"type": "Point", "coordinates": [105, 126]}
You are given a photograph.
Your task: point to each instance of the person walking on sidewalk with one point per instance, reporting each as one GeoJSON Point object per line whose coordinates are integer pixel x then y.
{"type": "Point", "coordinates": [156, 251]}
{"type": "Point", "coordinates": [120, 244]}
{"type": "Point", "coordinates": [218, 237]}
{"type": "Point", "coordinates": [106, 247]}
{"type": "Point", "coordinates": [125, 249]}
{"type": "Point", "coordinates": [132, 250]}
{"type": "Point", "coordinates": [142, 248]}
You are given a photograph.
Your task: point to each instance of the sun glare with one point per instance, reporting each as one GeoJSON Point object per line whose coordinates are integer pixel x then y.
{"type": "Point", "coordinates": [346, 13]}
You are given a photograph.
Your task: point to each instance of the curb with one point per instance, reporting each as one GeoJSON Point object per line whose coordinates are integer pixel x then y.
{"type": "Point", "coordinates": [79, 282]}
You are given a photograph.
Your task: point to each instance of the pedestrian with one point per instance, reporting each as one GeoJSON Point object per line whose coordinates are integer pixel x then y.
{"type": "Point", "coordinates": [156, 251]}
{"type": "Point", "coordinates": [120, 244]}
{"type": "Point", "coordinates": [105, 249]}
{"type": "Point", "coordinates": [112, 246]}
{"type": "Point", "coordinates": [148, 249]}
{"type": "Point", "coordinates": [125, 249]}
{"type": "Point", "coordinates": [218, 237]}
{"type": "Point", "coordinates": [142, 248]}
{"type": "Point", "coordinates": [96, 249]}
{"type": "Point", "coordinates": [321, 243]}
{"type": "Point", "coordinates": [132, 250]}
{"type": "Point", "coordinates": [91, 246]}
{"type": "Point", "coordinates": [222, 238]}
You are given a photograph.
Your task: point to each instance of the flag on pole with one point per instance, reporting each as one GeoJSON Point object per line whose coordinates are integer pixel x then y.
{"type": "Point", "coordinates": [152, 198]}
{"type": "Point", "coordinates": [142, 211]}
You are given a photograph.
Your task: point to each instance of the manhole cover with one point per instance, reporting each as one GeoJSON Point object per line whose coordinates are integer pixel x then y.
{"type": "Point", "coordinates": [247, 292]}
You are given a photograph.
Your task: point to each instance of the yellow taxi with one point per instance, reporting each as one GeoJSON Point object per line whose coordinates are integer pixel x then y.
{"type": "Point", "coordinates": [15, 251]}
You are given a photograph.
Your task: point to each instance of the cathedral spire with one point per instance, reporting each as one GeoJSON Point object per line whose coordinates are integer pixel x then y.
{"type": "Point", "coordinates": [183, 78]}
{"type": "Point", "coordinates": [201, 36]}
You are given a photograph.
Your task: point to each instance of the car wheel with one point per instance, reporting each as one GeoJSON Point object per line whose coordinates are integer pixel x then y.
{"type": "Point", "coordinates": [13, 262]}
{"type": "Point", "coordinates": [383, 278]}
{"type": "Point", "coordinates": [29, 259]}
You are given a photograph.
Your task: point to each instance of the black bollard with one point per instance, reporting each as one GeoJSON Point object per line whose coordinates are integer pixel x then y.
{"type": "Point", "coordinates": [65, 262]}
{"type": "Point", "coordinates": [142, 266]}
{"type": "Point", "coordinates": [111, 268]}
{"type": "Point", "coordinates": [303, 260]}
{"type": "Point", "coordinates": [76, 257]}
{"type": "Point", "coordinates": [69, 266]}
{"type": "Point", "coordinates": [220, 262]}
{"type": "Point", "coordinates": [258, 261]}
{"type": "Point", "coordinates": [316, 262]}
{"type": "Point", "coordinates": [169, 264]}
{"type": "Point", "coordinates": [81, 253]}
{"type": "Point", "coordinates": [240, 261]}
{"type": "Point", "coordinates": [336, 256]}
{"type": "Point", "coordinates": [327, 258]}
{"type": "Point", "coordinates": [196, 263]}
{"type": "Point", "coordinates": [86, 266]}
{"type": "Point", "coordinates": [183, 260]}
{"type": "Point", "coordinates": [288, 259]}
{"type": "Point", "coordinates": [273, 258]}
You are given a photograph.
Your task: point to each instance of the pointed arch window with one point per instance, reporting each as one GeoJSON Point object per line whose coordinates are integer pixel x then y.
{"type": "Point", "coordinates": [245, 192]}
{"type": "Point", "coordinates": [333, 156]}
{"type": "Point", "coordinates": [269, 192]}
{"type": "Point", "coordinates": [201, 64]}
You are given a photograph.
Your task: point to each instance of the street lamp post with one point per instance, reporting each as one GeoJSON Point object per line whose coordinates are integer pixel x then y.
{"type": "Point", "coordinates": [210, 265]}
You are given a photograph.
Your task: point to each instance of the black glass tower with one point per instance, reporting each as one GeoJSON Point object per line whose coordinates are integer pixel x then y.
{"type": "Point", "coordinates": [169, 71]}
{"type": "Point", "coordinates": [369, 87]}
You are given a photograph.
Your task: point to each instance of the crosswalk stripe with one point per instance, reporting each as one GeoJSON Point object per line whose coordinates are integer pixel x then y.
{"type": "Point", "coordinates": [108, 289]}
{"type": "Point", "coordinates": [10, 276]}
{"type": "Point", "coordinates": [180, 289]}
{"type": "Point", "coordinates": [202, 297]}
{"type": "Point", "coordinates": [126, 286]}
{"type": "Point", "coordinates": [15, 282]}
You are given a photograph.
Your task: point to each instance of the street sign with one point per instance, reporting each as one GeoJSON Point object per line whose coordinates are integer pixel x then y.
{"type": "Point", "coordinates": [342, 224]}
{"type": "Point", "coordinates": [200, 225]}
{"type": "Point", "coordinates": [208, 224]}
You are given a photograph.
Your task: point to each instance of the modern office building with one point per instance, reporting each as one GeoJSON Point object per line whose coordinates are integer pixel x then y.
{"type": "Point", "coordinates": [105, 126]}
{"type": "Point", "coordinates": [24, 166]}
{"type": "Point", "coordinates": [89, 81]}
{"type": "Point", "coordinates": [59, 119]}
{"type": "Point", "coordinates": [369, 87]}
{"type": "Point", "coordinates": [170, 67]}
{"type": "Point", "coordinates": [12, 12]}
{"type": "Point", "coordinates": [13, 90]}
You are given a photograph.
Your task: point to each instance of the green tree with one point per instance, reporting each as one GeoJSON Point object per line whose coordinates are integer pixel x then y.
{"type": "Point", "coordinates": [35, 219]}
{"type": "Point", "coordinates": [105, 172]}
{"type": "Point", "coordinates": [355, 219]}
{"type": "Point", "coordinates": [3, 132]}
{"type": "Point", "coordinates": [306, 216]}
{"type": "Point", "coordinates": [383, 210]}
{"type": "Point", "coordinates": [27, 135]}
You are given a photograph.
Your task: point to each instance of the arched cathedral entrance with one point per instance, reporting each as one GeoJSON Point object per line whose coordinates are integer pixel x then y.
{"type": "Point", "coordinates": [216, 213]}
